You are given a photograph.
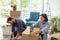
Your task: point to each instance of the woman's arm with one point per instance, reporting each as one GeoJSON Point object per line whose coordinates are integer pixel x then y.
{"type": "Point", "coordinates": [45, 29]}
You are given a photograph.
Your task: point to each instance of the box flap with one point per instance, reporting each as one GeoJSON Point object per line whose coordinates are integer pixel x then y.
{"type": "Point", "coordinates": [27, 31]}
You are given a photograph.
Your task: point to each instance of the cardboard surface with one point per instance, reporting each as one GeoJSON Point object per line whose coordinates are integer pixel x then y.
{"type": "Point", "coordinates": [29, 37]}
{"type": "Point", "coordinates": [55, 36]}
{"type": "Point", "coordinates": [26, 35]}
{"type": "Point", "coordinates": [36, 29]}
{"type": "Point", "coordinates": [15, 14]}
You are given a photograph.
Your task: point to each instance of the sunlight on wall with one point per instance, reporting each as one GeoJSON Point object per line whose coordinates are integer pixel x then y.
{"type": "Point", "coordinates": [26, 6]}
{"type": "Point", "coordinates": [55, 8]}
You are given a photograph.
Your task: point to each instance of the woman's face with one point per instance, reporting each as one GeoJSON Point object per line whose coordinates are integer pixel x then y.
{"type": "Point", "coordinates": [42, 19]}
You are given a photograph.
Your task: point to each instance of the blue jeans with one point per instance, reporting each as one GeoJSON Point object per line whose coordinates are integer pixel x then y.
{"type": "Point", "coordinates": [44, 36]}
{"type": "Point", "coordinates": [15, 33]}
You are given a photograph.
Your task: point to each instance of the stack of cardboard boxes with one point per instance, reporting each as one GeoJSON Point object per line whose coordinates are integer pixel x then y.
{"type": "Point", "coordinates": [55, 36]}
{"type": "Point", "coordinates": [26, 34]}
{"type": "Point", "coordinates": [15, 14]}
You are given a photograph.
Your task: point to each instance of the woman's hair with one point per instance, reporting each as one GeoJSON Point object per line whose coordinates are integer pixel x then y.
{"type": "Point", "coordinates": [45, 16]}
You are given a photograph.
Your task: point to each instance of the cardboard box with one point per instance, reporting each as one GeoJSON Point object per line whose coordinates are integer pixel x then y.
{"type": "Point", "coordinates": [55, 36]}
{"type": "Point", "coordinates": [15, 14]}
{"type": "Point", "coordinates": [26, 35]}
{"type": "Point", "coordinates": [36, 29]}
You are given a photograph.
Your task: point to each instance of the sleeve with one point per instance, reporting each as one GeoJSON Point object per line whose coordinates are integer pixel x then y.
{"type": "Point", "coordinates": [36, 24]}
{"type": "Point", "coordinates": [12, 28]}
{"type": "Point", "coordinates": [45, 29]}
{"type": "Point", "coordinates": [19, 29]}
{"type": "Point", "coordinates": [21, 26]}
{"type": "Point", "coordinates": [24, 25]}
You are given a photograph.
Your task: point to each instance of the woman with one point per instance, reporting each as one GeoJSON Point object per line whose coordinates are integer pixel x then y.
{"type": "Point", "coordinates": [44, 25]}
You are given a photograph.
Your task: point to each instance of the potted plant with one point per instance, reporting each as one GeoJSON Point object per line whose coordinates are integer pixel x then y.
{"type": "Point", "coordinates": [13, 4]}
{"type": "Point", "coordinates": [55, 23]}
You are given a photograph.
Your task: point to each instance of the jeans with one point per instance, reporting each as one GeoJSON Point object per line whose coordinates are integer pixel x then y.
{"type": "Point", "coordinates": [15, 33]}
{"type": "Point", "coordinates": [44, 36]}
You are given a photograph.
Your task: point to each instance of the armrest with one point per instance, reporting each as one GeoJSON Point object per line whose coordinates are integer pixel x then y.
{"type": "Point", "coordinates": [28, 19]}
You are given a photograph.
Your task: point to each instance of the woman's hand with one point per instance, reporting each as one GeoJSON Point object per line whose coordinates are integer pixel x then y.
{"type": "Point", "coordinates": [38, 32]}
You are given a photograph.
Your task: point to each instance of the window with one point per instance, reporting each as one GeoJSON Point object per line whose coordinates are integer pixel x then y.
{"type": "Point", "coordinates": [5, 7]}
{"type": "Point", "coordinates": [29, 6]}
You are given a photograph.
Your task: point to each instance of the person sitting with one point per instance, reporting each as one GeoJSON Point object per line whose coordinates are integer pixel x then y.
{"type": "Point", "coordinates": [44, 25]}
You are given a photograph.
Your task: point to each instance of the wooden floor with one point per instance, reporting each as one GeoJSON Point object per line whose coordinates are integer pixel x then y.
{"type": "Point", "coordinates": [6, 37]}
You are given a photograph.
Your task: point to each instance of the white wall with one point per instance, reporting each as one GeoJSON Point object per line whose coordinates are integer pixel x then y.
{"type": "Point", "coordinates": [55, 7]}
{"type": "Point", "coordinates": [19, 5]}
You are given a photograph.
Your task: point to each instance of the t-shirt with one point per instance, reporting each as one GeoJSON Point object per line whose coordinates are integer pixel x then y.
{"type": "Point", "coordinates": [18, 26]}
